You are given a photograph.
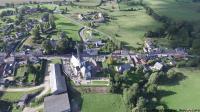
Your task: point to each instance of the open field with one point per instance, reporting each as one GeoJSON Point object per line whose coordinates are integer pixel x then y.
{"type": "Point", "coordinates": [15, 96]}
{"type": "Point", "coordinates": [186, 94]}
{"type": "Point", "coordinates": [129, 27]}
{"type": "Point", "coordinates": [176, 9]}
{"type": "Point", "coordinates": [88, 2]}
{"type": "Point", "coordinates": [64, 24]}
{"type": "Point", "coordinates": [102, 103]}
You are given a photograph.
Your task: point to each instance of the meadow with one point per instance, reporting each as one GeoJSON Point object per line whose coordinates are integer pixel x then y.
{"type": "Point", "coordinates": [64, 24]}
{"type": "Point", "coordinates": [102, 103]}
{"type": "Point", "coordinates": [129, 27]}
{"type": "Point", "coordinates": [176, 9]}
{"type": "Point", "coordinates": [185, 94]}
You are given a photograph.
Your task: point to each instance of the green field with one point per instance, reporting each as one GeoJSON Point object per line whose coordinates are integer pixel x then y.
{"type": "Point", "coordinates": [130, 27]}
{"type": "Point", "coordinates": [102, 103]}
{"type": "Point", "coordinates": [64, 24]}
{"type": "Point", "coordinates": [88, 2]}
{"type": "Point", "coordinates": [186, 94]}
{"type": "Point", "coordinates": [15, 96]}
{"type": "Point", "coordinates": [100, 82]}
{"type": "Point", "coordinates": [21, 71]}
{"type": "Point", "coordinates": [176, 9]}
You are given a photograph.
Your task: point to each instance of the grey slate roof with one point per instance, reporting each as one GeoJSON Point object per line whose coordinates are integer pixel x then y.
{"type": "Point", "coordinates": [57, 80]}
{"type": "Point", "coordinates": [57, 103]}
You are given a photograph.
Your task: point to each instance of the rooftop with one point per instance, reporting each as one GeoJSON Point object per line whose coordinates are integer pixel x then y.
{"type": "Point", "coordinates": [57, 103]}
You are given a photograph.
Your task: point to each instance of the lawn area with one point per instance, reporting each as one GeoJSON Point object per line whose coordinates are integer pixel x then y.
{"type": "Point", "coordinates": [186, 94]}
{"type": "Point", "coordinates": [102, 103]}
{"type": "Point", "coordinates": [100, 82]}
{"type": "Point", "coordinates": [20, 71]}
{"type": "Point", "coordinates": [176, 9]}
{"type": "Point", "coordinates": [88, 2]}
{"type": "Point", "coordinates": [15, 96]}
{"type": "Point", "coordinates": [129, 27]}
{"type": "Point", "coordinates": [64, 24]}
{"type": "Point", "coordinates": [56, 61]}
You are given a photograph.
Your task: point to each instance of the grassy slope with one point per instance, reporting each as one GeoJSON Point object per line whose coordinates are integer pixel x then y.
{"type": "Point", "coordinates": [177, 10]}
{"type": "Point", "coordinates": [102, 103]}
{"type": "Point", "coordinates": [131, 26]}
{"type": "Point", "coordinates": [186, 93]}
{"type": "Point", "coordinates": [66, 25]}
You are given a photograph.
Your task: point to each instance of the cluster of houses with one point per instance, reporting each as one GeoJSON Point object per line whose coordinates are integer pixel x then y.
{"type": "Point", "coordinates": [92, 45]}
{"type": "Point", "coordinates": [10, 63]}
{"type": "Point", "coordinates": [97, 17]}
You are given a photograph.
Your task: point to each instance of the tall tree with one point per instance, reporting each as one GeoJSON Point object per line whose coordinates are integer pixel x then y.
{"type": "Point", "coordinates": [52, 21]}
{"type": "Point", "coordinates": [36, 32]}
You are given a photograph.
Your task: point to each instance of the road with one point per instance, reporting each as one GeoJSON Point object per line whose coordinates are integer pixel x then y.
{"type": "Point", "coordinates": [80, 24]}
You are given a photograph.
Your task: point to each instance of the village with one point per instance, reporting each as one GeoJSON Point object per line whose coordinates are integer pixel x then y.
{"type": "Point", "coordinates": [41, 56]}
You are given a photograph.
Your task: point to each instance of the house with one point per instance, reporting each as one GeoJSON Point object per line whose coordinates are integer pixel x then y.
{"type": "Point", "coordinates": [83, 68]}
{"type": "Point", "coordinates": [148, 44]}
{"type": "Point", "coordinates": [80, 16]}
{"type": "Point", "coordinates": [85, 72]}
{"type": "Point", "coordinates": [57, 103]}
{"type": "Point", "coordinates": [93, 51]}
{"type": "Point", "coordinates": [10, 59]}
{"type": "Point", "coordinates": [57, 81]}
{"type": "Point", "coordinates": [157, 66]}
{"type": "Point", "coordinates": [123, 68]}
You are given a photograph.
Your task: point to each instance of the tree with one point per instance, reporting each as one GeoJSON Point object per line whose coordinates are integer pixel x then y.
{"type": "Point", "coordinates": [46, 46]}
{"type": "Point", "coordinates": [109, 60]}
{"type": "Point", "coordinates": [152, 88]}
{"type": "Point", "coordinates": [153, 78]}
{"type": "Point", "coordinates": [52, 21]}
{"type": "Point", "coordinates": [45, 17]}
{"type": "Point", "coordinates": [36, 32]}
{"type": "Point", "coordinates": [63, 35]}
{"type": "Point", "coordinates": [141, 103]}
{"type": "Point", "coordinates": [62, 45]}
{"type": "Point", "coordinates": [130, 95]}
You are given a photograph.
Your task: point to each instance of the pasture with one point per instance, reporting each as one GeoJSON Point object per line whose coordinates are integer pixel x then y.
{"type": "Point", "coordinates": [129, 27]}
{"type": "Point", "coordinates": [184, 95]}
{"type": "Point", "coordinates": [102, 103]}
{"type": "Point", "coordinates": [176, 9]}
{"type": "Point", "coordinates": [64, 24]}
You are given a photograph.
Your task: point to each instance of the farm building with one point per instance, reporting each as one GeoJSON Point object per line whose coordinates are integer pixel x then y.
{"type": "Point", "coordinates": [57, 81]}
{"type": "Point", "coordinates": [57, 103]}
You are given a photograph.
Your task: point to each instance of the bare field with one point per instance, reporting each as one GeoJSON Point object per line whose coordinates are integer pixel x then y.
{"type": "Point", "coordinates": [2, 2]}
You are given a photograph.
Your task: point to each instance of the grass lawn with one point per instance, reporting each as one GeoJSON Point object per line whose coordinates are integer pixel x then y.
{"type": "Point", "coordinates": [64, 24]}
{"type": "Point", "coordinates": [20, 71]}
{"type": "Point", "coordinates": [56, 61]}
{"type": "Point", "coordinates": [15, 96]}
{"type": "Point", "coordinates": [186, 93]}
{"type": "Point", "coordinates": [88, 2]}
{"type": "Point", "coordinates": [130, 27]}
{"type": "Point", "coordinates": [176, 9]}
{"type": "Point", "coordinates": [99, 82]}
{"type": "Point", "coordinates": [102, 103]}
